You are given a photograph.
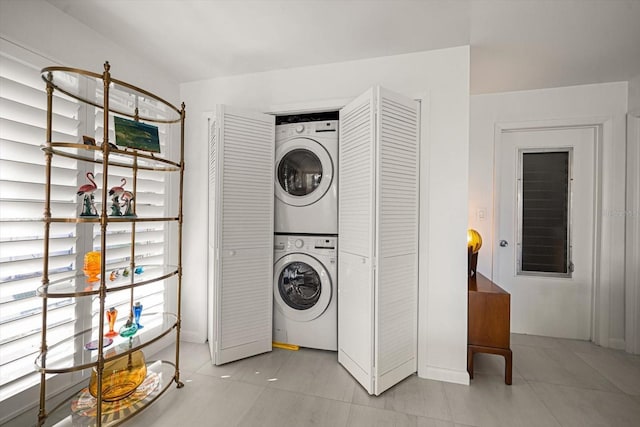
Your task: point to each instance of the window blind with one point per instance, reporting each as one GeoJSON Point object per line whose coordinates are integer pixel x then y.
{"type": "Point", "coordinates": [22, 191]}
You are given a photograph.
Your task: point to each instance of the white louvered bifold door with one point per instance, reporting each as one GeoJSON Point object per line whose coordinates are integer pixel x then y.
{"type": "Point", "coordinates": [356, 233]}
{"type": "Point", "coordinates": [396, 294]}
{"type": "Point", "coordinates": [241, 226]}
{"type": "Point", "coordinates": [378, 229]}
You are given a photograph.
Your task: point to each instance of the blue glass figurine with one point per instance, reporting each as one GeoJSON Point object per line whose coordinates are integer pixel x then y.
{"type": "Point", "coordinates": [139, 270]}
{"type": "Point", "coordinates": [137, 311]}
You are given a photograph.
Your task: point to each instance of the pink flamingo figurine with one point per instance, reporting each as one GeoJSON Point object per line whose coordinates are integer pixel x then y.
{"type": "Point", "coordinates": [87, 191]}
{"type": "Point", "coordinates": [117, 191]}
{"type": "Point", "coordinates": [115, 194]}
{"type": "Point", "coordinates": [88, 188]}
{"type": "Point", "coordinates": [127, 201]}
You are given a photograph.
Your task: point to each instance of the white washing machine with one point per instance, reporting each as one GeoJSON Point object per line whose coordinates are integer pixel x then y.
{"type": "Point", "coordinates": [305, 311]}
{"type": "Point", "coordinates": [306, 178]}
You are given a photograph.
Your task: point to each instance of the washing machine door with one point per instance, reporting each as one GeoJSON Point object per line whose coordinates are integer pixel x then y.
{"type": "Point", "coordinates": [303, 170]}
{"type": "Point", "coordinates": [301, 287]}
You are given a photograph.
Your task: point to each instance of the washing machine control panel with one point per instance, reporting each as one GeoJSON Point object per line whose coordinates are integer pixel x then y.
{"type": "Point", "coordinates": [307, 128]}
{"type": "Point", "coordinates": [306, 243]}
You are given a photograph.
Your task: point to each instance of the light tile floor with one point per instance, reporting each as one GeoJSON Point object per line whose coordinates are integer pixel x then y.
{"type": "Point", "coordinates": [556, 382]}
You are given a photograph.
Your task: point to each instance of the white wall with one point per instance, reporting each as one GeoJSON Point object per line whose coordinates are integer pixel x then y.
{"type": "Point", "coordinates": [599, 102]}
{"type": "Point", "coordinates": [46, 30]}
{"type": "Point", "coordinates": [442, 77]}
{"type": "Point", "coordinates": [632, 268]}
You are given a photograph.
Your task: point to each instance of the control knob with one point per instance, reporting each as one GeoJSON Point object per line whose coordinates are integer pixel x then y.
{"type": "Point", "coordinates": [299, 128]}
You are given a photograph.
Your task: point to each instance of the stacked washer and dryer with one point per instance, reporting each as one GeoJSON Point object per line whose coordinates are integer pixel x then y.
{"type": "Point", "coordinates": [306, 235]}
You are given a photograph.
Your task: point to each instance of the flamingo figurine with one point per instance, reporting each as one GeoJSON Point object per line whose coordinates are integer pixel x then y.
{"type": "Point", "coordinates": [117, 191]}
{"type": "Point", "coordinates": [127, 201]}
{"type": "Point", "coordinates": [115, 194]}
{"type": "Point", "coordinates": [87, 191]}
{"type": "Point", "coordinates": [88, 188]}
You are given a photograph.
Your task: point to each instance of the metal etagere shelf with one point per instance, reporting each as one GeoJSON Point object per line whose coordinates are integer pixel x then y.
{"type": "Point", "coordinates": [53, 358]}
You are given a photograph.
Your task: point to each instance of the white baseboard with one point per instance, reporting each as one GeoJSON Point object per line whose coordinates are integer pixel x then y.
{"type": "Point", "coordinates": [192, 336]}
{"type": "Point", "coordinates": [617, 343]}
{"type": "Point", "coordinates": [446, 375]}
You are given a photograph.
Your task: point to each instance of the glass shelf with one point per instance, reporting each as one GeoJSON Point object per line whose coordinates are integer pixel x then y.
{"type": "Point", "coordinates": [65, 356]}
{"type": "Point", "coordinates": [111, 219]}
{"type": "Point", "coordinates": [77, 285]}
{"type": "Point", "coordinates": [117, 157]}
{"type": "Point", "coordinates": [123, 97]}
{"type": "Point", "coordinates": [79, 410]}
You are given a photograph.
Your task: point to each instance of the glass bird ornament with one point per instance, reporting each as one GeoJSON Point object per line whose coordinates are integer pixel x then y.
{"type": "Point", "coordinates": [86, 191]}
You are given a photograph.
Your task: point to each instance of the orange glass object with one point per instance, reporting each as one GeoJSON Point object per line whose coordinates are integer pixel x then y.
{"type": "Point", "coordinates": [92, 266]}
{"type": "Point", "coordinates": [474, 240]}
{"type": "Point", "coordinates": [120, 377]}
{"type": "Point", "coordinates": [112, 315]}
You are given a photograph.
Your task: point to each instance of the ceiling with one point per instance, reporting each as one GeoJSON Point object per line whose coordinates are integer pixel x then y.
{"type": "Point", "coordinates": [515, 44]}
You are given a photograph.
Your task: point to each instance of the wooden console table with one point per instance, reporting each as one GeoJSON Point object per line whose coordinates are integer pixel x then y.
{"type": "Point", "coordinates": [489, 322]}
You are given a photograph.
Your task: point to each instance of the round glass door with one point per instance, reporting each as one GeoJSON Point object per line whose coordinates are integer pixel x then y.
{"type": "Point", "coordinates": [303, 172]}
{"type": "Point", "coordinates": [301, 287]}
{"type": "Point", "coordinates": [299, 172]}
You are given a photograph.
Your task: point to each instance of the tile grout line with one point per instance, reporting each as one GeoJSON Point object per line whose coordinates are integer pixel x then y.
{"type": "Point", "coordinates": [544, 404]}
{"type": "Point", "coordinates": [603, 374]}
{"type": "Point", "coordinates": [446, 398]}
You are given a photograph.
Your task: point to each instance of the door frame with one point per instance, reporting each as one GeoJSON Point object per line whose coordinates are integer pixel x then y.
{"type": "Point", "coordinates": [603, 126]}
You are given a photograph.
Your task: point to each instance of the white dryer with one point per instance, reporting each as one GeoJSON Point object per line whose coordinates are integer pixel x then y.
{"type": "Point", "coordinates": [305, 309]}
{"type": "Point", "coordinates": [306, 178]}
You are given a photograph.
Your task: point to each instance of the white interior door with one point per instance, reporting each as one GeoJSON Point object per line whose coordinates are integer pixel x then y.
{"type": "Point", "coordinates": [241, 154]}
{"type": "Point", "coordinates": [545, 183]}
{"type": "Point", "coordinates": [378, 228]}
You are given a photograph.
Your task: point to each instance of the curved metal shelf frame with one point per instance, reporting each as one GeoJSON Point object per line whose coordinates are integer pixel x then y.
{"type": "Point", "coordinates": [57, 76]}
{"type": "Point", "coordinates": [166, 371]}
{"type": "Point", "coordinates": [134, 156]}
{"type": "Point", "coordinates": [77, 285]}
{"type": "Point", "coordinates": [53, 361]}
{"type": "Point", "coordinates": [69, 354]}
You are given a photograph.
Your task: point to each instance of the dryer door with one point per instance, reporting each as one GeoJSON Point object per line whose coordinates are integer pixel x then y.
{"type": "Point", "coordinates": [301, 287]}
{"type": "Point", "coordinates": [303, 172]}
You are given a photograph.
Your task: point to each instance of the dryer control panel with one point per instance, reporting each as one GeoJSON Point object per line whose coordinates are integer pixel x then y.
{"type": "Point", "coordinates": [307, 128]}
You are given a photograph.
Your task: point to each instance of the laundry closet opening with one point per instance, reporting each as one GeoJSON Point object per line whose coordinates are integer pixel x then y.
{"type": "Point", "coordinates": [279, 240]}
{"type": "Point", "coordinates": [305, 282]}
